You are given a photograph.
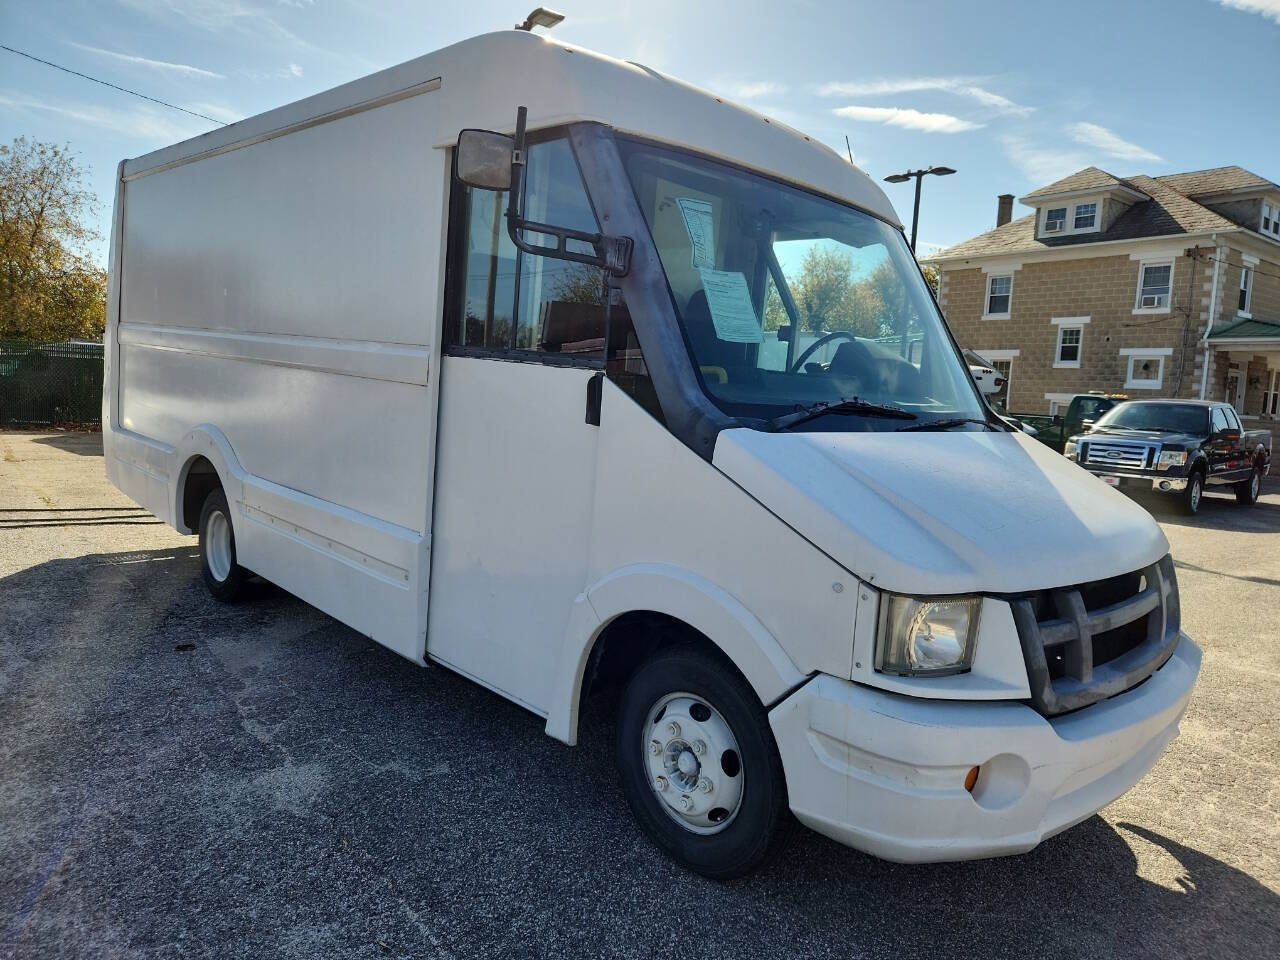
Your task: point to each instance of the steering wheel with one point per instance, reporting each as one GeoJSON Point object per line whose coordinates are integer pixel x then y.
{"type": "Point", "coordinates": [821, 341]}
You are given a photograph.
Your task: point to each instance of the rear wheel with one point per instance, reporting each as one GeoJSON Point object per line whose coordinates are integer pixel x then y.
{"type": "Point", "coordinates": [222, 575]}
{"type": "Point", "coordinates": [1247, 490]}
{"type": "Point", "coordinates": [699, 765]}
{"type": "Point", "coordinates": [1194, 492]}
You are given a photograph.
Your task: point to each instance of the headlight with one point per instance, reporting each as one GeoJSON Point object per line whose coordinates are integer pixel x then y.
{"type": "Point", "coordinates": [1069, 449]}
{"type": "Point", "coordinates": [926, 637]}
{"type": "Point", "coordinates": [1172, 458]}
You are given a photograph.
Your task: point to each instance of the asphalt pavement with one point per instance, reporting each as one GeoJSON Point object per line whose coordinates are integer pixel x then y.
{"type": "Point", "coordinates": [180, 778]}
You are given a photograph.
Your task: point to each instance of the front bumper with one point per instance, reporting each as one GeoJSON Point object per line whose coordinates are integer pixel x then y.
{"type": "Point", "coordinates": [1160, 483]}
{"type": "Point", "coordinates": [885, 773]}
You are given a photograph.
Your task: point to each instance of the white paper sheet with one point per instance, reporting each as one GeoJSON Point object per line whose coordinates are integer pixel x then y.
{"type": "Point", "coordinates": [729, 300]}
{"type": "Point", "coordinates": [701, 228]}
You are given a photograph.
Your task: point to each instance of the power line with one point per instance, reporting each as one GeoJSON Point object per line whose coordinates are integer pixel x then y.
{"type": "Point", "coordinates": [134, 93]}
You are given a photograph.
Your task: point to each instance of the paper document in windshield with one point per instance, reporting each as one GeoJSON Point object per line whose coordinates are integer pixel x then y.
{"type": "Point", "coordinates": [698, 222]}
{"type": "Point", "coordinates": [729, 301]}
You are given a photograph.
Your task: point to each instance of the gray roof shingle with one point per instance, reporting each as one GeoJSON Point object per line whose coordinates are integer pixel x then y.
{"type": "Point", "coordinates": [1168, 212]}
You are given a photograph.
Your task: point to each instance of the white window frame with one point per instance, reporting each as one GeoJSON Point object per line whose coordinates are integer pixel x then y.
{"type": "Point", "coordinates": [1075, 217]}
{"type": "Point", "coordinates": [986, 302]}
{"type": "Point", "coordinates": [1270, 219]}
{"type": "Point", "coordinates": [1068, 323]}
{"type": "Point", "coordinates": [1138, 354]}
{"type": "Point", "coordinates": [1057, 400]}
{"type": "Point", "coordinates": [1044, 223]}
{"type": "Point", "coordinates": [1142, 271]}
{"type": "Point", "coordinates": [1246, 288]}
{"type": "Point", "coordinates": [1271, 396]}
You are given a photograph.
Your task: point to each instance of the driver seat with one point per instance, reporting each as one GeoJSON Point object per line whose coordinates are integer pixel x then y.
{"type": "Point", "coordinates": [853, 360]}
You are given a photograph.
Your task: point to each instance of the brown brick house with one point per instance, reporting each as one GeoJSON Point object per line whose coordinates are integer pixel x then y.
{"type": "Point", "coordinates": [1150, 286]}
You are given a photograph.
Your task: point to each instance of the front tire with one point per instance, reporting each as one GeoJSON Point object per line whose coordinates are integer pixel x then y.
{"type": "Point", "coordinates": [1193, 494]}
{"type": "Point", "coordinates": [699, 765]}
{"type": "Point", "coordinates": [1247, 490]}
{"type": "Point", "coordinates": [222, 575]}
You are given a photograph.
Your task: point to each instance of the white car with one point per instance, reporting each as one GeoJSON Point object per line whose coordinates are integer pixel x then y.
{"type": "Point", "coordinates": [984, 373]}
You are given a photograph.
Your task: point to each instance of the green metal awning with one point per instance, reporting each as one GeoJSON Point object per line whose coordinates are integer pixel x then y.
{"type": "Point", "coordinates": [1245, 328]}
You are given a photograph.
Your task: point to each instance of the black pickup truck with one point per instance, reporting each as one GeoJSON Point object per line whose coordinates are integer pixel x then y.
{"type": "Point", "coordinates": [1057, 428]}
{"type": "Point", "coordinates": [1174, 446]}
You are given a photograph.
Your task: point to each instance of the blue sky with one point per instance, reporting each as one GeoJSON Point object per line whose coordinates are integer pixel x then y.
{"type": "Point", "coordinates": [1013, 95]}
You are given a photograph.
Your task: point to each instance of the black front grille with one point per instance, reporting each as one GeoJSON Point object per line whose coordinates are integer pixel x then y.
{"type": "Point", "coordinates": [1090, 641]}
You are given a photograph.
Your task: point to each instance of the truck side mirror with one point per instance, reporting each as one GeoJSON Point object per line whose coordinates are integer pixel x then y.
{"type": "Point", "coordinates": [1087, 425]}
{"type": "Point", "coordinates": [483, 159]}
{"type": "Point", "coordinates": [784, 333]}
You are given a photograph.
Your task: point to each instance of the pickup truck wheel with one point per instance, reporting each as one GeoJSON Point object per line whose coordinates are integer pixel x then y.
{"type": "Point", "coordinates": [1247, 490]}
{"type": "Point", "coordinates": [1193, 494]}
{"type": "Point", "coordinates": [222, 575]}
{"type": "Point", "coordinates": [699, 765]}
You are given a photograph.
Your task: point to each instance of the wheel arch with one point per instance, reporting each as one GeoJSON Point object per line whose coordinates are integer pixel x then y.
{"type": "Point", "coordinates": [207, 462]}
{"type": "Point", "coordinates": [613, 630]}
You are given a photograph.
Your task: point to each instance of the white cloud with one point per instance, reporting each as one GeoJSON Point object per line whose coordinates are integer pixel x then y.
{"type": "Point", "coordinates": [909, 118]}
{"type": "Point", "coordinates": [220, 15]}
{"type": "Point", "coordinates": [1266, 8]}
{"type": "Point", "coordinates": [151, 126]}
{"type": "Point", "coordinates": [1100, 138]}
{"type": "Point", "coordinates": [960, 86]}
{"type": "Point", "coordinates": [163, 65]}
{"type": "Point", "coordinates": [295, 70]}
{"type": "Point", "coordinates": [217, 111]}
{"type": "Point", "coordinates": [753, 90]}
{"type": "Point", "coordinates": [1042, 165]}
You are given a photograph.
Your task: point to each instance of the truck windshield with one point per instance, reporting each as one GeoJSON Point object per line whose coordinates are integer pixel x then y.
{"type": "Point", "coordinates": [1167, 417]}
{"type": "Point", "coordinates": [789, 300]}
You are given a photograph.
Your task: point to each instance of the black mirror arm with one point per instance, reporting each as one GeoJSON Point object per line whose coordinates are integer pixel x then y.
{"type": "Point", "coordinates": [613, 254]}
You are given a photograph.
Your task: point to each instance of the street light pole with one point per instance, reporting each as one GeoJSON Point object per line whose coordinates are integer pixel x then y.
{"type": "Point", "coordinates": [918, 175]}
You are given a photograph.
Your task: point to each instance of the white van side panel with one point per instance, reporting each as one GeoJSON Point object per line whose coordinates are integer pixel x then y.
{"type": "Point", "coordinates": [281, 300]}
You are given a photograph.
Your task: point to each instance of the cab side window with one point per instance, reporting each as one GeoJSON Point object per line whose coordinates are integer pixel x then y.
{"type": "Point", "coordinates": [1219, 420]}
{"type": "Point", "coordinates": [504, 301]}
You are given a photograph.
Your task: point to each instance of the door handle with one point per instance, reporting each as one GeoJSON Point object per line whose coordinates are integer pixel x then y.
{"type": "Point", "coordinates": [595, 387]}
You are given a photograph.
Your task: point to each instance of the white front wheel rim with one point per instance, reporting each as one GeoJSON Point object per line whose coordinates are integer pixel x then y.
{"type": "Point", "coordinates": [1195, 494]}
{"type": "Point", "coordinates": [694, 763]}
{"type": "Point", "coordinates": [217, 550]}
{"type": "Point", "coordinates": [1255, 483]}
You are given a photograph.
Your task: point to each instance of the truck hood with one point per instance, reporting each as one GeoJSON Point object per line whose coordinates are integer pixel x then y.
{"type": "Point", "coordinates": [1181, 441]}
{"type": "Point", "coordinates": [942, 513]}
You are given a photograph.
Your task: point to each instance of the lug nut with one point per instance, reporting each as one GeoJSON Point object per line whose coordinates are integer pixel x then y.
{"type": "Point", "coordinates": [655, 747]}
{"type": "Point", "coordinates": [686, 804]}
{"type": "Point", "coordinates": [673, 729]}
{"type": "Point", "coordinates": [705, 785]}
{"type": "Point", "coordinates": [699, 747]}
{"type": "Point", "coordinates": [660, 783]}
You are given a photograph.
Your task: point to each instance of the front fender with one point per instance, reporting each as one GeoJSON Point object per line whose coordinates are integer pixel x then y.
{"type": "Point", "coordinates": [677, 593]}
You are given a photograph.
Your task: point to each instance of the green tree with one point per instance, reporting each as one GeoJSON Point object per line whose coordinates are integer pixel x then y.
{"type": "Point", "coordinates": [49, 287]}
{"type": "Point", "coordinates": [931, 278]}
{"type": "Point", "coordinates": [827, 296]}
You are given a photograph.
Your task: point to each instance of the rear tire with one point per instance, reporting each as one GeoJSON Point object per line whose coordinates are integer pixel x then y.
{"type": "Point", "coordinates": [222, 575]}
{"type": "Point", "coordinates": [719, 804]}
{"type": "Point", "coordinates": [1247, 490]}
{"type": "Point", "coordinates": [1193, 494]}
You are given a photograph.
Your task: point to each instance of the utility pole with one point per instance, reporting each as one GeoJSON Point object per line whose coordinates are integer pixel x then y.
{"type": "Point", "coordinates": [919, 175]}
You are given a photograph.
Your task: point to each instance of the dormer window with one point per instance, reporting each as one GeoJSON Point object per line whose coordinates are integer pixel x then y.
{"type": "Point", "coordinates": [1271, 220]}
{"type": "Point", "coordinates": [1086, 216]}
{"type": "Point", "coordinates": [1055, 221]}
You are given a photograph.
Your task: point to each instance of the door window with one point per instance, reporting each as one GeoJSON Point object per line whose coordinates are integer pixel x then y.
{"type": "Point", "coordinates": [1219, 420]}
{"type": "Point", "coordinates": [510, 301]}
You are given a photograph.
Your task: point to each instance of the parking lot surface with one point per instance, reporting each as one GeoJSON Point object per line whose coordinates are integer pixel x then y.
{"type": "Point", "coordinates": [180, 778]}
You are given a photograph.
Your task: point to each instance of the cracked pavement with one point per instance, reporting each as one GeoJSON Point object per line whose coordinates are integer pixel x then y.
{"type": "Point", "coordinates": [183, 779]}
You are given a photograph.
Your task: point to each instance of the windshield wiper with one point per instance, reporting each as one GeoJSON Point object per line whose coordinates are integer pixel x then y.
{"type": "Point", "coordinates": [944, 424]}
{"type": "Point", "coordinates": [851, 405]}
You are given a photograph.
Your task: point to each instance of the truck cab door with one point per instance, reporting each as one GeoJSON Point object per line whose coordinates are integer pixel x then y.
{"type": "Point", "coordinates": [516, 453]}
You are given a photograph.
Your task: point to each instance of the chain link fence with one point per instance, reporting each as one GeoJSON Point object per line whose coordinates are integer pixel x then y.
{"type": "Point", "coordinates": [42, 383]}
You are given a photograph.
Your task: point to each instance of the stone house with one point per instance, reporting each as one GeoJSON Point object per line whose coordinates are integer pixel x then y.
{"type": "Point", "coordinates": [1150, 286]}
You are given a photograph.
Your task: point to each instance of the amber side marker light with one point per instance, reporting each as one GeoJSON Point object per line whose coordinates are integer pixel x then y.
{"type": "Point", "coordinates": [971, 778]}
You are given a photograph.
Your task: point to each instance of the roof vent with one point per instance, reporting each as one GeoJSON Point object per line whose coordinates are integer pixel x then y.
{"type": "Point", "coordinates": [1004, 209]}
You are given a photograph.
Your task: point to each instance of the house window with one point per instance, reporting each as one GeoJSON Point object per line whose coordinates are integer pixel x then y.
{"type": "Point", "coordinates": [1155, 281]}
{"type": "Point", "coordinates": [1246, 289]}
{"type": "Point", "coordinates": [1086, 216]}
{"type": "Point", "coordinates": [1271, 396]}
{"type": "Point", "coordinates": [1055, 220]}
{"type": "Point", "coordinates": [1146, 372]}
{"type": "Point", "coordinates": [1271, 219]}
{"type": "Point", "coordinates": [999, 295]}
{"type": "Point", "coordinates": [1069, 340]}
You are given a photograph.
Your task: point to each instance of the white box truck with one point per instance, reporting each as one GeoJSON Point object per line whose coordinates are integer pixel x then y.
{"type": "Point", "coordinates": [540, 395]}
